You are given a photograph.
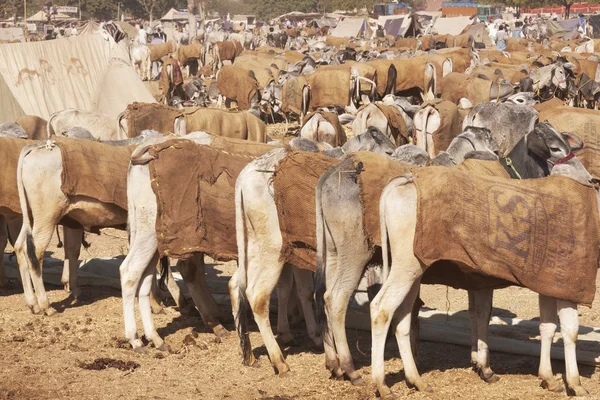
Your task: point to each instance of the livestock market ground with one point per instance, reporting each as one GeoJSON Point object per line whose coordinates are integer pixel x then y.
{"type": "Point", "coordinates": [80, 353]}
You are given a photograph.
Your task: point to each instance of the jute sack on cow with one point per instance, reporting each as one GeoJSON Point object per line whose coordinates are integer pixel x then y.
{"type": "Point", "coordinates": [456, 86]}
{"type": "Point", "coordinates": [141, 116]}
{"type": "Point", "coordinates": [293, 56]}
{"type": "Point", "coordinates": [437, 61]}
{"type": "Point", "coordinates": [382, 68]}
{"type": "Point", "coordinates": [410, 73]}
{"type": "Point", "coordinates": [336, 41]}
{"type": "Point", "coordinates": [294, 186]}
{"type": "Point", "coordinates": [194, 187]}
{"type": "Point", "coordinates": [158, 51]}
{"type": "Point", "coordinates": [188, 52]}
{"type": "Point", "coordinates": [264, 71]}
{"type": "Point", "coordinates": [461, 58]}
{"type": "Point", "coordinates": [333, 119]}
{"type": "Point", "coordinates": [396, 123]}
{"type": "Point", "coordinates": [540, 233]}
{"type": "Point", "coordinates": [465, 41]}
{"type": "Point", "coordinates": [233, 124]}
{"type": "Point", "coordinates": [10, 149]}
{"type": "Point", "coordinates": [236, 83]}
{"type": "Point", "coordinates": [95, 170]}
{"type": "Point", "coordinates": [409, 43]}
{"type": "Point", "coordinates": [229, 50]}
{"type": "Point", "coordinates": [292, 95]}
{"type": "Point", "coordinates": [450, 123]}
{"type": "Point", "coordinates": [329, 88]}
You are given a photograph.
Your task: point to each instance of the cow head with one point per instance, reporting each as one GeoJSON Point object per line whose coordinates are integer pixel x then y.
{"type": "Point", "coordinates": [549, 144]}
{"type": "Point", "coordinates": [372, 140]}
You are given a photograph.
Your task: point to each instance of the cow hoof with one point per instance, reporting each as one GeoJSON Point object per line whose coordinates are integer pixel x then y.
{"type": "Point", "coordinates": [284, 371]}
{"type": "Point", "coordinates": [35, 309]}
{"type": "Point", "coordinates": [488, 377]}
{"type": "Point", "coordinates": [385, 393]}
{"type": "Point", "coordinates": [577, 391]}
{"type": "Point", "coordinates": [67, 287]}
{"type": "Point", "coordinates": [164, 347]}
{"type": "Point", "coordinates": [422, 386]}
{"type": "Point", "coordinates": [221, 332]}
{"type": "Point", "coordinates": [140, 350]}
{"type": "Point", "coordinates": [552, 386]}
{"type": "Point", "coordinates": [357, 381]}
{"type": "Point", "coordinates": [50, 311]}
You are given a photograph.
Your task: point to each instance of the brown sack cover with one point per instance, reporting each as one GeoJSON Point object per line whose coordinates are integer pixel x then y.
{"type": "Point", "coordinates": [141, 116]}
{"type": "Point", "coordinates": [396, 123]}
{"type": "Point", "coordinates": [229, 50]}
{"type": "Point", "coordinates": [456, 86]}
{"type": "Point", "coordinates": [376, 172]}
{"type": "Point", "coordinates": [34, 126]}
{"type": "Point", "coordinates": [10, 149]}
{"type": "Point", "coordinates": [336, 41]}
{"type": "Point", "coordinates": [450, 123]}
{"type": "Point", "coordinates": [437, 61]}
{"type": "Point", "coordinates": [187, 52]}
{"type": "Point", "coordinates": [540, 233]}
{"type": "Point", "coordinates": [427, 42]}
{"type": "Point", "coordinates": [236, 83]}
{"type": "Point", "coordinates": [329, 88]}
{"type": "Point", "coordinates": [410, 43]}
{"type": "Point", "coordinates": [478, 90]}
{"type": "Point", "coordinates": [465, 41]}
{"type": "Point", "coordinates": [194, 187]}
{"type": "Point", "coordinates": [232, 124]}
{"type": "Point", "coordinates": [158, 51]}
{"type": "Point", "coordinates": [292, 95]}
{"type": "Point", "coordinates": [294, 185]}
{"type": "Point", "coordinates": [164, 85]}
{"type": "Point", "coordinates": [293, 56]}
{"type": "Point", "coordinates": [380, 77]}
{"type": "Point", "coordinates": [461, 58]}
{"type": "Point", "coordinates": [333, 119]}
{"type": "Point", "coordinates": [410, 73]}
{"type": "Point", "coordinates": [95, 170]}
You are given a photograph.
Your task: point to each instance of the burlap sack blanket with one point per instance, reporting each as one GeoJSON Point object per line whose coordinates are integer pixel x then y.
{"type": "Point", "coordinates": [10, 149]}
{"type": "Point", "coordinates": [382, 68]}
{"type": "Point", "coordinates": [461, 58]}
{"type": "Point", "coordinates": [232, 124]}
{"type": "Point", "coordinates": [167, 87]}
{"type": "Point", "coordinates": [365, 70]}
{"type": "Point", "coordinates": [447, 40]}
{"type": "Point", "coordinates": [456, 86]}
{"type": "Point", "coordinates": [540, 233]}
{"type": "Point", "coordinates": [293, 56]}
{"type": "Point", "coordinates": [396, 123]}
{"type": "Point", "coordinates": [236, 83]}
{"type": "Point", "coordinates": [427, 42]}
{"type": "Point", "coordinates": [465, 41]}
{"type": "Point", "coordinates": [410, 73]}
{"type": "Point", "coordinates": [187, 52]}
{"type": "Point", "coordinates": [333, 119]}
{"type": "Point", "coordinates": [34, 126]}
{"type": "Point", "coordinates": [292, 95]}
{"type": "Point", "coordinates": [292, 32]}
{"type": "Point", "coordinates": [264, 71]}
{"type": "Point", "coordinates": [294, 186]}
{"type": "Point", "coordinates": [375, 173]}
{"type": "Point", "coordinates": [158, 51]}
{"type": "Point", "coordinates": [329, 88]}
{"type": "Point", "coordinates": [266, 49]}
{"type": "Point", "coordinates": [409, 43]}
{"type": "Point", "coordinates": [516, 45]}
{"type": "Point", "coordinates": [95, 170]}
{"type": "Point", "coordinates": [437, 61]}
{"type": "Point", "coordinates": [450, 123]}
{"type": "Point", "coordinates": [228, 50]}
{"type": "Point", "coordinates": [194, 187]}
{"type": "Point", "coordinates": [155, 116]}
{"type": "Point", "coordinates": [336, 41]}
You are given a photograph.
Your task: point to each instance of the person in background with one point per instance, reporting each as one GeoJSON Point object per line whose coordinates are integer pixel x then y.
{"type": "Point", "coordinates": [380, 33]}
{"type": "Point", "coordinates": [582, 23]}
{"type": "Point", "coordinates": [73, 30]}
{"type": "Point", "coordinates": [162, 35]}
{"type": "Point", "coordinates": [517, 31]}
{"type": "Point", "coordinates": [501, 37]}
{"type": "Point", "coordinates": [142, 36]}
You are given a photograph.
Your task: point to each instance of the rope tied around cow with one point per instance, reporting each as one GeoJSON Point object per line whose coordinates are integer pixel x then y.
{"type": "Point", "coordinates": [507, 162]}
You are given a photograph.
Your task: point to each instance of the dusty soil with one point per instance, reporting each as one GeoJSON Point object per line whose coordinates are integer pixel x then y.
{"type": "Point", "coordinates": [80, 353]}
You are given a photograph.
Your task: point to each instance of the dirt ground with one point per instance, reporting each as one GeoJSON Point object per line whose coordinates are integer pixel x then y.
{"type": "Point", "coordinates": [80, 353]}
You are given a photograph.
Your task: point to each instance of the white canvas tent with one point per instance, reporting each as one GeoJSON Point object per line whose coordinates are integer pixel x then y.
{"type": "Point", "coordinates": [40, 16]}
{"type": "Point", "coordinates": [174, 15]}
{"type": "Point", "coordinates": [89, 72]}
{"type": "Point", "coordinates": [352, 27]}
{"type": "Point", "coordinates": [451, 25]}
{"type": "Point", "coordinates": [11, 34]}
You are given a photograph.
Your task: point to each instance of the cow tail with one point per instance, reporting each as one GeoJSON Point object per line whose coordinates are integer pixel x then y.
{"type": "Point", "coordinates": [27, 222]}
{"type": "Point", "coordinates": [241, 317]}
{"type": "Point", "coordinates": [49, 129]}
{"type": "Point", "coordinates": [164, 272]}
{"type": "Point", "coordinates": [320, 277]}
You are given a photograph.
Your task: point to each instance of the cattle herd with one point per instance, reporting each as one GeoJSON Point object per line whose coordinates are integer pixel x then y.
{"type": "Point", "coordinates": [414, 163]}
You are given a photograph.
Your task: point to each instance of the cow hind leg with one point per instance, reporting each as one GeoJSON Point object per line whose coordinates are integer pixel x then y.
{"type": "Point", "coordinates": [260, 284]}
{"type": "Point", "coordinates": [72, 239]}
{"type": "Point", "coordinates": [304, 287]}
{"type": "Point", "coordinates": [284, 290]}
{"type": "Point", "coordinates": [548, 323]}
{"type": "Point", "coordinates": [192, 271]}
{"type": "Point", "coordinates": [145, 287]}
{"type": "Point", "coordinates": [569, 328]}
{"type": "Point", "coordinates": [3, 243]}
{"type": "Point", "coordinates": [22, 249]}
{"type": "Point", "coordinates": [40, 239]}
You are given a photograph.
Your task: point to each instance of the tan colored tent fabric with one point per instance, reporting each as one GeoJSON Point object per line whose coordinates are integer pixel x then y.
{"type": "Point", "coordinates": [88, 72]}
{"type": "Point", "coordinates": [517, 231]}
{"type": "Point", "coordinates": [194, 187]}
{"type": "Point", "coordinates": [294, 185]}
{"type": "Point", "coordinates": [95, 170]}
{"type": "Point", "coordinates": [10, 149]}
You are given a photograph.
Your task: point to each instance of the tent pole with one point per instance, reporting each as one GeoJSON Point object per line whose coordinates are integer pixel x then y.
{"type": "Point", "coordinates": [24, 12]}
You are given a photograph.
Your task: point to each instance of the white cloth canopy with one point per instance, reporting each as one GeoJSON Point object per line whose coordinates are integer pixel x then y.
{"type": "Point", "coordinates": [451, 25]}
{"type": "Point", "coordinates": [87, 72]}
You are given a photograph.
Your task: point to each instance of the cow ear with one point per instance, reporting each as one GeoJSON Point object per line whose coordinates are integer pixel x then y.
{"type": "Point", "coordinates": [537, 64]}
{"type": "Point", "coordinates": [574, 142]}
